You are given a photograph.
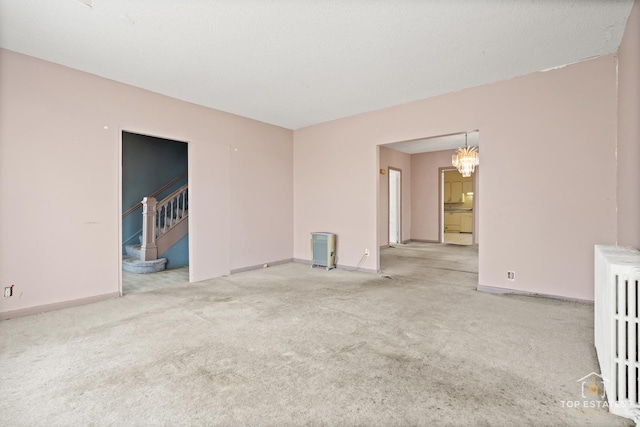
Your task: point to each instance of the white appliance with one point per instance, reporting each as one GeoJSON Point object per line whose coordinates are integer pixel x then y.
{"type": "Point", "coordinates": [323, 250]}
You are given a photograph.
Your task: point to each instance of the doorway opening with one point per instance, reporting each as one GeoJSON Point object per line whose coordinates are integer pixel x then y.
{"type": "Point", "coordinates": [457, 207]}
{"type": "Point", "coordinates": [155, 213]}
{"type": "Point", "coordinates": [422, 162]}
{"type": "Point", "coordinates": [395, 206]}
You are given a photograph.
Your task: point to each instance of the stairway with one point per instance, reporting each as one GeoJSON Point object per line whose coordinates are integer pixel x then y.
{"type": "Point", "coordinates": [132, 263]}
{"type": "Point", "coordinates": [164, 224]}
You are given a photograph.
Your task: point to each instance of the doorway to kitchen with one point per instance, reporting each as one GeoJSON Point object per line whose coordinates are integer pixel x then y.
{"type": "Point", "coordinates": [421, 163]}
{"type": "Point", "coordinates": [457, 207]}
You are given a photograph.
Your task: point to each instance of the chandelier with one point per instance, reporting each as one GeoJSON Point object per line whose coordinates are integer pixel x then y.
{"type": "Point", "coordinates": [466, 159]}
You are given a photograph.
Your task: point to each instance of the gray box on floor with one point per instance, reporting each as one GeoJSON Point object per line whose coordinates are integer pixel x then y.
{"type": "Point", "coordinates": [323, 250]}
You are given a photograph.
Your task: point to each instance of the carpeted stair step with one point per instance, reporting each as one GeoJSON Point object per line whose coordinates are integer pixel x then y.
{"type": "Point", "coordinates": [133, 251]}
{"type": "Point", "coordinates": [135, 265]}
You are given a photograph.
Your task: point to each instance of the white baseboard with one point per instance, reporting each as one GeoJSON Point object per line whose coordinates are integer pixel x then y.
{"type": "Point", "coordinates": [339, 266]}
{"type": "Point", "coordinates": [502, 291]}
{"type": "Point", "coordinates": [259, 266]}
{"type": "Point", "coordinates": [56, 306]}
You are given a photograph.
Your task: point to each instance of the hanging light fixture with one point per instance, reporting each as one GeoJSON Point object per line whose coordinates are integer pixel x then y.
{"type": "Point", "coordinates": [466, 159]}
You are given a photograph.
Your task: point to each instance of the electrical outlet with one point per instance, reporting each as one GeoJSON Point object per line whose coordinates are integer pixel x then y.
{"type": "Point", "coordinates": [8, 291]}
{"type": "Point", "coordinates": [511, 275]}
{"type": "Point", "coordinates": [366, 252]}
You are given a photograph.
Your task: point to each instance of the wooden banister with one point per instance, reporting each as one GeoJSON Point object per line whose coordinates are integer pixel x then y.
{"type": "Point", "coordinates": [164, 222]}
{"type": "Point", "coordinates": [155, 193]}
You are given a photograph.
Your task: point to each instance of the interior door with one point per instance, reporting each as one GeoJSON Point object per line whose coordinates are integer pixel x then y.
{"type": "Point", "coordinates": [395, 191]}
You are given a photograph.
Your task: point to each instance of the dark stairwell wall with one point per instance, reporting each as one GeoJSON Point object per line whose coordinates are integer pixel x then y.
{"type": "Point", "coordinates": [147, 164]}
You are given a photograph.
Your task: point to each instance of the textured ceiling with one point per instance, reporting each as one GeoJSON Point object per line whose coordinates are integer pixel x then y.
{"type": "Point", "coordinates": [296, 63]}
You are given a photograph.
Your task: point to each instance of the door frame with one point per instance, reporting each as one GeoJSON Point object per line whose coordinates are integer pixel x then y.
{"type": "Point", "coordinates": [441, 171]}
{"type": "Point", "coordinates": [399, 171]}
{"type": "Point", "coordinates": [121, 130]}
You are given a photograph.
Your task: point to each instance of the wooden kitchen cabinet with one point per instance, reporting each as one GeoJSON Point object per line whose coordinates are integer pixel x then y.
{"type": "Point", "coordinates": [456, 192]}
{"type": "Point", "coordinates": [467, 187]}
{"type": "Point", "coordinates": [452, 222]}
{"type": "Point", "coordinates": [466, 223]}
{"type": "Point", "coordinates": [453, 192]}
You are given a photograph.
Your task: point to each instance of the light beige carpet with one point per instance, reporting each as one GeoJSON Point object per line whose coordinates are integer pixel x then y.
{"type": "Point", "coordinates": [291, 346]}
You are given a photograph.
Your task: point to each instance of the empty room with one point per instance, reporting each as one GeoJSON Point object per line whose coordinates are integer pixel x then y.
{"type": "Point", "coordinates": [319, 213]}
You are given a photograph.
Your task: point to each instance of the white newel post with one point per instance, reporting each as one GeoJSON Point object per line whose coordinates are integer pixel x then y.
{"type": "Point", "coordinates": [149, 250]}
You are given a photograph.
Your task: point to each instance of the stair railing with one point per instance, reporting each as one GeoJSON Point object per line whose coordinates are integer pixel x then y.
{"type": "Point", "coordinates": [155, 193]}
{"type": "Point", "coordinates": [158, 218]}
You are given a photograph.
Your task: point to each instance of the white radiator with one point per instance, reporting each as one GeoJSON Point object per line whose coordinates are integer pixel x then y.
{"type": "Point", "coordinates": [616, 333]}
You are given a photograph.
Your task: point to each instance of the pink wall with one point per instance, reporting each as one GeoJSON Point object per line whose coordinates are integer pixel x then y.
{"type": "Point", "coordinates": [59, 182]}
{"type": "Point", "coordinates": [538, 216]}
{"type": "Point", "coordinates": [336, 190]}
{"type": "Point", "coordinates": [425, 195]}
{"type": "Point", "coordinates": [59, 176]}
{"type": "Point", "coordinates": [629, 132]}
{"type": "Point", "coordinates": [402, 161]}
